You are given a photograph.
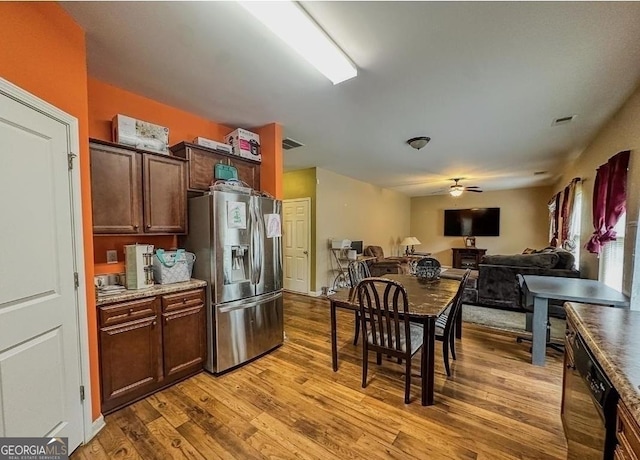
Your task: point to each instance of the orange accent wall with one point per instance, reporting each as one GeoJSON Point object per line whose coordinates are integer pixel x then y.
{"type": "Point", "coordinates": [106, 101]}
{"type": "Point", "coordinates": [271, 170]}
{"type": "Point", "coordinates": [42, 50]}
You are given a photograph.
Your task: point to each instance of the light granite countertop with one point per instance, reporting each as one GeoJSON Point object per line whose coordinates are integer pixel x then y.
{"type": "Point", "coordinates": [158, 289]}
{"type": "Point", "coordinates": [613, 336]}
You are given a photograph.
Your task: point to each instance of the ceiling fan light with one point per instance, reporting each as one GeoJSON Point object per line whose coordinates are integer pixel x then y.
{"type": "Point", "coordinates": [456, 190]}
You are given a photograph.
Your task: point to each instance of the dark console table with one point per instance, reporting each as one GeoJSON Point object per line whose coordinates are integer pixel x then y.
{"type": "Point", "coordinates": [467, 257]}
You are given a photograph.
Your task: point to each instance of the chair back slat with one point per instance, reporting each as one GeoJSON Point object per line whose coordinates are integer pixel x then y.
{"type": "Point", "coordinates": [358, 270]}
{"type": "Point", "coordinates": [384, 302]}
{"type": "Point", "coordinates": [456, 304]}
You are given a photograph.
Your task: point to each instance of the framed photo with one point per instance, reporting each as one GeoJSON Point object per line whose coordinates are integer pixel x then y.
{"type": "Point", "coordinates": [470, 242]}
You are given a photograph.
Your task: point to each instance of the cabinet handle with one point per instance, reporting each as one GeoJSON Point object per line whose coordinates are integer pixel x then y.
{"type": "Point", "coordinates": [184, 300]}
{"type": "Point", "coordinates": [154, 323]}
{"type": "Point", "coordinates": [136, 226]}
{"type": "Point", "coordinates": [148, 225]}
{"type": "Point", "coordinates": [130, 311]}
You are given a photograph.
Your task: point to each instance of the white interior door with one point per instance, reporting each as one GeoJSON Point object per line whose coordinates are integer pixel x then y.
{"type": "Point", "coordinates": [296, 238]}
{"type": "Point", "coordinates": [39, 338]}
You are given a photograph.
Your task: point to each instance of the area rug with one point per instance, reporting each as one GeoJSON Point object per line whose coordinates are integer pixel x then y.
{"type": "Point", "coordinates": [512, 321]}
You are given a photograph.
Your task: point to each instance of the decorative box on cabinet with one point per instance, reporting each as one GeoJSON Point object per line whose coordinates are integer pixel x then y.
{"type": "Point", "coordinates": [202, 160]}
{"type": "Point", "coordinates": [467, 257]}
{"type": "Point", "coordinates": [136, 192]}
{"type": "Point", "coordinates": [149, 343]}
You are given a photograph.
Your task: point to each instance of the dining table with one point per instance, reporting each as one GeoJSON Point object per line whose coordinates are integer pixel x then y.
{"type": "Point", "coordinates": [427, 300]}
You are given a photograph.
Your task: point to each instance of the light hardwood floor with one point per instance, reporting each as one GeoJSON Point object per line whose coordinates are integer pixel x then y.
{"type": "Point", "coordinates": [289, 404]}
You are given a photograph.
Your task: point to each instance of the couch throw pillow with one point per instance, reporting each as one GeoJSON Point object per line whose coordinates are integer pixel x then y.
{"type": "Point", "coordinates": [544, 260]}
{"type": "Point", "coordinates": [566, 259]}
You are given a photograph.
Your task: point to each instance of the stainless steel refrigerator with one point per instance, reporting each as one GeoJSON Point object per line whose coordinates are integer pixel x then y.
{"type": "Point", "coordinates": [238, 246]}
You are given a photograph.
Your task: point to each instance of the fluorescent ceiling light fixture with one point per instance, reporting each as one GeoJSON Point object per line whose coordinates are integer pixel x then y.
{"type": "Point", "coordinates": [289, 21]}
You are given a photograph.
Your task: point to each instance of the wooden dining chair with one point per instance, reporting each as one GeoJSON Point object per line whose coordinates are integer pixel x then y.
{"type": "Point", "coordinates": [388, 329]}
{"type": "Point", "coordinates": [445, 324]}
{"type": "Point", "coordinates": [358, 270]}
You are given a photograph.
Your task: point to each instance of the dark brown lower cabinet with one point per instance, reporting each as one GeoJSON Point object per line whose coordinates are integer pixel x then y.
{"type": "Point", "coordinates": [183, 333]}
{"type": "Point", "coordinates": [148, 344]}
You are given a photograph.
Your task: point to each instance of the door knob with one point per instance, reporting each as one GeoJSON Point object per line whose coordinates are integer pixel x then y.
{"type": "Point", "coordinates": [305, 252]}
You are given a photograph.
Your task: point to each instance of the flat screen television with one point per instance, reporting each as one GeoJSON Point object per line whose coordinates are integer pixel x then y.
{"type": "Point", "coordinates": [472, 222]}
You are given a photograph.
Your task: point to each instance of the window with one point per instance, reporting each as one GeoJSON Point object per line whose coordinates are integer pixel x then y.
{"type": "Point", "coordinates": [612, 257]}
{"type": "Point", "coordinates": [573, 243]}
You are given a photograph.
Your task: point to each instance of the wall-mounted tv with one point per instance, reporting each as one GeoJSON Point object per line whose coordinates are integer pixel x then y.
{"type": "Point", "coordinates": [472, 222]}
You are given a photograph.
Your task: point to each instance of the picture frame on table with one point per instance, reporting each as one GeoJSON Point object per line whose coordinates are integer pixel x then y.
{"type": "Point", "coordinates": [470, 242]}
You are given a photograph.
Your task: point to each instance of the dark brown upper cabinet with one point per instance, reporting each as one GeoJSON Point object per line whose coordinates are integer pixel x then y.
{"type": "Point", "coordinates": [202, 161]}
{"type": "Point", "coordinates": [136, 192]}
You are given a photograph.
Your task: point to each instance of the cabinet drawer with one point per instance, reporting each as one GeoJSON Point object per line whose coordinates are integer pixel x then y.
{"type": "Point", "coordinates": [184, 299]}
{"type": "Point", "coordinates": [127, 311]}
{"type": "Point", "coordinates": [628, 432]}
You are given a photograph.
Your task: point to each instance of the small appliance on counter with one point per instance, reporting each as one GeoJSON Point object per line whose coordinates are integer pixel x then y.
{"type": "Point", "coordinates": [109, 284]}
{"type": "Point", "coordinates": [138, 266]}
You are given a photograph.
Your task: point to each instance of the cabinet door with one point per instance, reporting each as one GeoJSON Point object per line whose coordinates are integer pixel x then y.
{"type": "Point", "coordinates": [165, 195]}
{"type": "Point", "coordinates": [129, 360]}
{"type": "Point", "coordinates": [184, 340]}
{"type": "Point", "coordinates": [116, 188]}
{"type": "Point", "coordinates": [247, 171]}
{"type": "Point", "coordinates": [201, 165]}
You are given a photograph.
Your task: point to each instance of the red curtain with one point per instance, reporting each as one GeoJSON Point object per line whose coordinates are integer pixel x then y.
{"type": "Point", "coordinates": [609, 200]}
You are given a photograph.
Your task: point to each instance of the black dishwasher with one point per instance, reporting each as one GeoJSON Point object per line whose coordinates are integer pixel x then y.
{"type": "Point", "coordinates": [589, 406]}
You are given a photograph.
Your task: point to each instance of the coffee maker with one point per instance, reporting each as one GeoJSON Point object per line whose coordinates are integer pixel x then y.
{"type": "Point", "coordinates": [138, 266]}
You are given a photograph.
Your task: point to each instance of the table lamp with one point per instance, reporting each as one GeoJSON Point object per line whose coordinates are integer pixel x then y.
{"type": "Point", "coordinates": [410, 241]}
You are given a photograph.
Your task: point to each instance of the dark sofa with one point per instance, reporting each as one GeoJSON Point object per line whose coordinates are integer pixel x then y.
{"type": "Point", "coordinates": [497, 284]}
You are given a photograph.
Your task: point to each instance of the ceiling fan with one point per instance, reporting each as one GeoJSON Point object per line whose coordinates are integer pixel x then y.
{"type": "Point", "coordinates": [456, 189]}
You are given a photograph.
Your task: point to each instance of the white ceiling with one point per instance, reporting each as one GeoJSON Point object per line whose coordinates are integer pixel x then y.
{"type": "Point", "coordinates": [483, 80]}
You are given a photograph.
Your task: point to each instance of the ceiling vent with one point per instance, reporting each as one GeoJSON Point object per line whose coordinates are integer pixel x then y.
{"type": "Point", "coordinates": [288, 143]}
{"type": "Point", "coordinates": [563, 120]}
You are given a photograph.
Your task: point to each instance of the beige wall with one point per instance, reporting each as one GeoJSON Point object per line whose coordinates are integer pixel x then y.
{"type": "Point", "coordinates": [523, 221]}
{"type": "Point", "coordinates": [622, 132]}
{"type": "Point", "coordinates": [348, 208]}
{"type": "Point", "coordinates": [302, 184]}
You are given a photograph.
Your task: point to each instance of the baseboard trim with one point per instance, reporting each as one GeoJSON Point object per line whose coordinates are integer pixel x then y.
{"type": "Point", "coordinates": [97, 425]}
{"type": "Point", "coordinates": [308, 294]}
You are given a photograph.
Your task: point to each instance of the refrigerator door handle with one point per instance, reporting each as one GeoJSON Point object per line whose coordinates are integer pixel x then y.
{"type": "Point", "coordinates": [256, 249]}
{"type": "Point", "coordinates": [261, 237]}
{"type": "Point", "coordinates": [244, 303]}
